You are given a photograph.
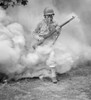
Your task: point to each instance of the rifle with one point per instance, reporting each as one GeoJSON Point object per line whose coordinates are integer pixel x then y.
{"type": "Point", "coordinates": [51, 33]}
{"type": "Point", "coordinates": [61, 27]}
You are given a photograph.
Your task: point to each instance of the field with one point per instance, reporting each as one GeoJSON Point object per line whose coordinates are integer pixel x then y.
{"type": "Point", "coordinates": [74, 85]}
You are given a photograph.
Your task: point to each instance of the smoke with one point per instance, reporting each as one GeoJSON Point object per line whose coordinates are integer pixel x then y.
{"type": "Point", "coordinates": [73, 43]}
{"type": "Point", "coordinates": [11, 44]}
{"type": "Point", "coordinates": [81, 7]}
{"type": "Point", "coordinates": [76, 36]}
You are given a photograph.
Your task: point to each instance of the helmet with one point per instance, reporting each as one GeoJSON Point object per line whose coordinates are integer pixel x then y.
{"type": "Point", "coordinates": [48, 11]}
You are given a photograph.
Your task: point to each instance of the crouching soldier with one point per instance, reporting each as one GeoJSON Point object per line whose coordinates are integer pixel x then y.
{"type": "Point", "coordinates": [44, 33]}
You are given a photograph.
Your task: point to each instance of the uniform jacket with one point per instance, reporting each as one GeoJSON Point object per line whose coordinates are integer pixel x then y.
{"type": "Point", "coordinates": [43, 29]}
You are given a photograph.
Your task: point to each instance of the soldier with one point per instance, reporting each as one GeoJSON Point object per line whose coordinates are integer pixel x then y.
{"type": "Point", "coordinates": [44, 29]}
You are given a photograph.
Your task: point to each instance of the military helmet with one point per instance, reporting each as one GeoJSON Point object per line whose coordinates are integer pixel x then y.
{"type": "Point", "coordinates": [48, 11]}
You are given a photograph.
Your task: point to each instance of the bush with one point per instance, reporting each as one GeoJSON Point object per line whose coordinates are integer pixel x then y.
{"type": "Point", "coordinates": [6, 3]}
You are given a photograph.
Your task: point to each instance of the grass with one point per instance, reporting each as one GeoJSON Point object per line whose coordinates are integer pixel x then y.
{"type": "Point", "coordinates": [74, 85]}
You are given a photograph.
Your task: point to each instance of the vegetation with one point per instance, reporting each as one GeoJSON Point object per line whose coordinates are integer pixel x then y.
{"type": "Point", "coordinates": [7, 3]}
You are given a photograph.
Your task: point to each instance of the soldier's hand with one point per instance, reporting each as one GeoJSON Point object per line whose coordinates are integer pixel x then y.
{"type": "Point", "coordinates": [58, 29]}
{"type": "Point", "coordinates": [40, 39]}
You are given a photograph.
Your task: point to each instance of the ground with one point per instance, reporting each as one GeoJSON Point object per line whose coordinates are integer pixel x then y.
{"type": "Point", "coordinates": [74, 85]}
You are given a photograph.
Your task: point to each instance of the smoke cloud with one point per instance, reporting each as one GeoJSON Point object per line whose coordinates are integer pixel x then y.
{"type": "Point", "coordinates": [81, 7]}
{"type": "Point", "coordinates": [11, 43]}
{"type": "Point", "coordinates": [73, 43]}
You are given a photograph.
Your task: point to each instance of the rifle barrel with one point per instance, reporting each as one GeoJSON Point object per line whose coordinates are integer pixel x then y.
{"type": "Point", "coordinates": [61, 27]}
{"type": "Point", "coordinates": [67, 21]}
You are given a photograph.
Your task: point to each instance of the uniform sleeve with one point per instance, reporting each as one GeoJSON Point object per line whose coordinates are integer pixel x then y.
{"type": "Point", "coordinates": [53, 27]}
{"type": "Point", "coordinates": [55, 24]}
{"type": "Point", "coordinates": [37, 31]}
{"type": "Point", "coordinates": [57, 27]}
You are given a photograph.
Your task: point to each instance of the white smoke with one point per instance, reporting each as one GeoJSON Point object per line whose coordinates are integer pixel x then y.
{"type": "Point", "coordinates": [70, 47]}
{"type": "Point", "coordinates": [11, 40]}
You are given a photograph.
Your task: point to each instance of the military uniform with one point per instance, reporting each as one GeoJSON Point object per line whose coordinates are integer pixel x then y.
{"type": "Point", "coordinates": [47, 31]}
{"type": "Point", "coordinates": [43, 29]}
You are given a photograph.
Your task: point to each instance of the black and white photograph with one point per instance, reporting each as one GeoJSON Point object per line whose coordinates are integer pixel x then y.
{"type": "Point", "coordinates": [45, 49]}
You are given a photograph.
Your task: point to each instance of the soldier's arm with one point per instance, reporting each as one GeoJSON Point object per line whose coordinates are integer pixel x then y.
{"type": "Point", "coordinates": [57, 27]}
{"type": "Point", "coordinates": [53, 29]}
{"type": "Point", "coordinates": [37, 31]}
